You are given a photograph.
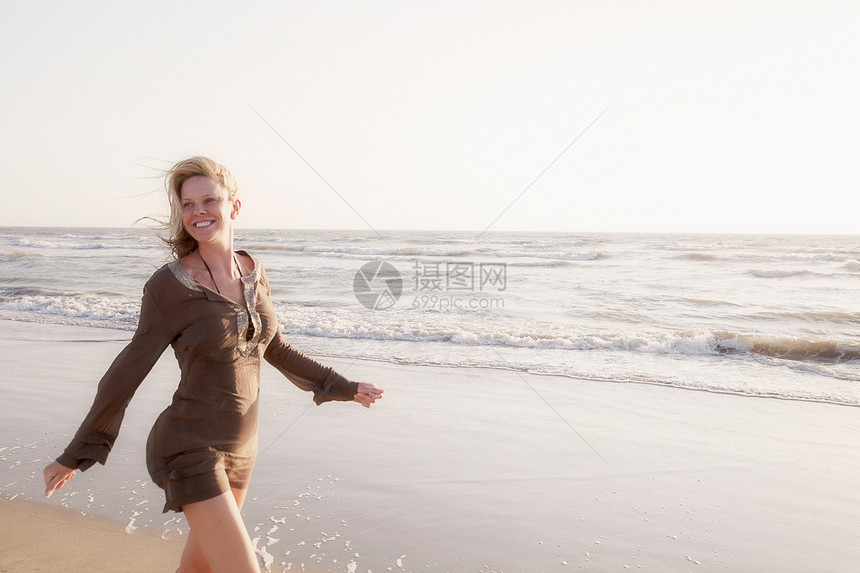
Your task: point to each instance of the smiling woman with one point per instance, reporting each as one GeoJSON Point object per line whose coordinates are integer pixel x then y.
{"type": "Point", "coordinates": [212, 305]}
{"type": "Point", "coordinates": [204, 202]}
{"type": "Point", "coordinates": [207, 180]}
{"type": "Point", "coordinates": [208, 214]}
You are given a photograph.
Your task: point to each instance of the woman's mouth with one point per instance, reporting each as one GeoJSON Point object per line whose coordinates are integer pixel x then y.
{"type": "Point", "coordinates": [202, 224]}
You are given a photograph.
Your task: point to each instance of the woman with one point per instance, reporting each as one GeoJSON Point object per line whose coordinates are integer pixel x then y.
{"type": "Point", "coordinates": [212, 306]}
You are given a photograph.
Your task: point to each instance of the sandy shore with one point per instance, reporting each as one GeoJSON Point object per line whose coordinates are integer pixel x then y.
{"type": "Point", "coordinates": [455, 470]}
{"type": "Point", "coordinates": [39, 537]}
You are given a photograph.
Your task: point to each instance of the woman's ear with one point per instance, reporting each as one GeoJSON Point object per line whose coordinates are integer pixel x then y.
{"type": "Point", "coordinates": [236, 206]}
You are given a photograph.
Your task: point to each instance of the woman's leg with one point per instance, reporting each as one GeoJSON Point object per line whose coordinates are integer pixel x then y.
{"type": "Point", "coordinates": [208, 529]}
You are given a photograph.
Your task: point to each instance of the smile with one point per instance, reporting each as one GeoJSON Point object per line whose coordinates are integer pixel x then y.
{"type": "Point", "coordinates": [202, 224]}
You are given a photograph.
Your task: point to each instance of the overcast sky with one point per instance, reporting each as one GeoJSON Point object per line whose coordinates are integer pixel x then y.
{"type": "Point", "coordinates": [721, 116]}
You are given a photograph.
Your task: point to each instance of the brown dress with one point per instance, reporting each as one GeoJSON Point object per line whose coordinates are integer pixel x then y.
{"type": "Point", "coordinates": [206, 440]}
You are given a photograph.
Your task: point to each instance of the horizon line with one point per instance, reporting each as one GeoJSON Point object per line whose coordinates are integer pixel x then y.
{"type": "Point", "coordinates": [464, 231]}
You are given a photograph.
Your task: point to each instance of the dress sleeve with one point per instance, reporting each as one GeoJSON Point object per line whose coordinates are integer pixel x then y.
{"type": "Point", "coordinates": [304, 371]}
{"type": "Point", "coordinates": [307, 373]}
{"type": "Point", "coordinates": [99, 430]}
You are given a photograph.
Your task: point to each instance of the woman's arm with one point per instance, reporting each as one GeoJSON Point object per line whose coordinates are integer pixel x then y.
{"type": "Point", "coordinates": [310, 375]}
{"type": "Point", "coordinates": [307, 373]}
{"type": "Point", "coordinates": [100, 428]}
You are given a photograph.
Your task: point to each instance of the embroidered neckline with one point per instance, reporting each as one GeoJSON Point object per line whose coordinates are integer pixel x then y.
{"type": "Point", "coordinates": [244, 315]}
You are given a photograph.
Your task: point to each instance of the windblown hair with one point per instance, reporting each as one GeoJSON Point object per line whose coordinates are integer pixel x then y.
{"type": "Point", "coordinates": [178, 239]}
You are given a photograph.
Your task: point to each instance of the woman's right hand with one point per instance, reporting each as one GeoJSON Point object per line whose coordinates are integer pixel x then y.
{"type": "Point", "coordinates": [56, 475]}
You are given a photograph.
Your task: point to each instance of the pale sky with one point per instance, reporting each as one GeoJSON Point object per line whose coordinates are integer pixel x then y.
{"type": "Point", "coordinates": [737, 117]}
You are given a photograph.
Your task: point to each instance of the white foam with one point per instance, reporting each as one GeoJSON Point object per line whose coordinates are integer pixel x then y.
{"type": "Point", "coordinates": [130, 527]}
{"type": "Point", "coordinates": [267, 557]}
{"type": "Point", "coordinates": [778, 273]}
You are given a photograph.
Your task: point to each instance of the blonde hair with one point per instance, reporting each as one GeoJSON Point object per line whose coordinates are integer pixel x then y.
{"type": "Point", "coordinates": [178, 239]}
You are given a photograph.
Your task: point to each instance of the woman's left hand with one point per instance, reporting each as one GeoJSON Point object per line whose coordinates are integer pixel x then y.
{"type": "Point", "coordinates": [367, 394]}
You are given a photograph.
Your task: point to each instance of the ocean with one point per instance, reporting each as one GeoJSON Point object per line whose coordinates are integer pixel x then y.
{"type": "Point", "coordinates": [751, 315]}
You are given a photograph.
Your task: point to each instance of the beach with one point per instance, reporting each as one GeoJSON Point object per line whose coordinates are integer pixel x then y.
{"type": "Point", "coordinates": [457, 469]}
{"type": "Point", "coordinates": [593, 263]}
{"type": "Point", "coordinates": [41, 537]}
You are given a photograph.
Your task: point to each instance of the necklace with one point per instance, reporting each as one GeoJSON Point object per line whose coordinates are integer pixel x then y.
{"type": "Point", "coordinates": [210, 272]}
{"type": "Point", "coordinates": [249, 334]}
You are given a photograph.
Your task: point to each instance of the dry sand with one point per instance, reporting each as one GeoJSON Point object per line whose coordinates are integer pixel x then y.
{"type": "Point", "coordinates": [456, 470]}
{"type": "Point", "coordinates": [39, 537]}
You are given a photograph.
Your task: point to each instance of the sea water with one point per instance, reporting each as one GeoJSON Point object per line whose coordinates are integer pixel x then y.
{"type": "Point", "coordinates": [755, 315]}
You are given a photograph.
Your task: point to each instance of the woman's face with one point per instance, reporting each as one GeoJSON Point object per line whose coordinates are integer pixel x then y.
{"type": "Point", "coordinates": [207, 211]}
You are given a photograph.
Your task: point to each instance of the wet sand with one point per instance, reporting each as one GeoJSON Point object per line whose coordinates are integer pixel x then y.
{"type": "Point", "coordinates": [455, 470]}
